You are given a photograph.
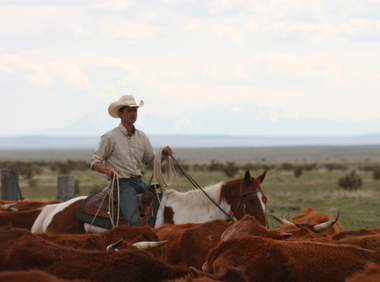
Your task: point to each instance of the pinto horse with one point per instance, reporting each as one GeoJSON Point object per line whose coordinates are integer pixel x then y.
{"type": "Point", "coordinates": [236, 197]}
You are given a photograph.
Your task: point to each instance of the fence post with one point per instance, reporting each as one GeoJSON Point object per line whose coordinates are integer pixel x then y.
{"type": "Point", "coordinates": [9, 184]}
{"type": "Point", "coordinates": [65, 188]}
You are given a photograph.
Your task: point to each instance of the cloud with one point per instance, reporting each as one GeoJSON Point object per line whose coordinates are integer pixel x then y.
{"type": "Point", "coordinates": [227, 31]}
{"type": "Point", "coordinates": [126, 29]}
{"type": "Point", "coordinates": [134, 71]}
{"type": "Point", "coordinates": [227, 71]}
{"type": "Point", "coordinates": [70, 73]}
{"type": "Point", "coordinates": [38, 76]}
{"type": "Point", "coordinates": [41, 74]}
{"type": "Point", "coordinates": [191, 25]}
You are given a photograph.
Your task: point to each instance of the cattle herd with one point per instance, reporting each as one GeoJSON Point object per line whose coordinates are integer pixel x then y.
{"type": "Point", "coordinates": [312, 246]}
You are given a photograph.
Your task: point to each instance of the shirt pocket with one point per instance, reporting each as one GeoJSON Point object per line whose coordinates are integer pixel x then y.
{"type": "Point", "coordinates": [138, 151]}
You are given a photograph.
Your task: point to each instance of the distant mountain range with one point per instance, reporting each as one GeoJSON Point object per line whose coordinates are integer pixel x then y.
{"type": "Point", "coordinates": [186, 141]}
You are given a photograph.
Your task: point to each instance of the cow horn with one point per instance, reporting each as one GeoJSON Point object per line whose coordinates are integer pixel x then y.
{"type": "Point", "coordinates": [282, 219]}
{"type": "Point", "coordinates": [9, 207]}
{"type": "Point", "coordinates": [323, 226]}
{"type": "Point", "coordinates": [149, 244]}
{"type": "Point", "coordinates": [113, 247]}
{"type": "Point", "coordinates": [305, 221]}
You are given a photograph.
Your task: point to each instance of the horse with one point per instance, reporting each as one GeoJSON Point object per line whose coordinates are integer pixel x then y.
{"type": "Point", "coordinates": [235, 197]}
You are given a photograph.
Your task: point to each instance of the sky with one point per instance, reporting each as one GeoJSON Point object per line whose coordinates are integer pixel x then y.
{"type": "Point", "coordinates": [61, 60]}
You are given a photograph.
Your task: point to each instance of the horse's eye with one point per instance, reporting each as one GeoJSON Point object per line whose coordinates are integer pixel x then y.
{"type": "Point", "coordinates": [251, 201]}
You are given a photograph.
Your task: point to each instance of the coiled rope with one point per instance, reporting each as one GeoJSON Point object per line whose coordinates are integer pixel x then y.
{"type": "Point", "coordinates": [168, 168]}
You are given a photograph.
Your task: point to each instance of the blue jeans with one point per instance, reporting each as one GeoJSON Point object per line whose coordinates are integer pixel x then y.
{"type": "Point", "coordinates": [129, 188]}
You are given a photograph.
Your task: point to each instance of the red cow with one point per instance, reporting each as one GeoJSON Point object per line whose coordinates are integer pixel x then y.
{"type": "Point", "coordinates": [302, 231]}
{"type": "Point", "coordinates": [225, 274]}
{"type": "Point", "coordinates": [7, 205]}
{"type": "Point", "coordinates": [370, 274]}
{"type": "Point", "coordinates": [189, 243]}
{"type": "Point", "coordinates": [314, 217]}
{"type": "Point", "coordinates": [20, 219]}
{"type": "Point", "coordinates": [263, 259]}
{"type": "Point", "coordinates": [32, 276]}
{"type": "Point", "coordinates": [360, 232]}
{"type": "Point", "coordinates": [99, 241]}
{"type": "Point", "coordinates": [371, 242]}
{"type": "Point", "coordinates": [21, 250]}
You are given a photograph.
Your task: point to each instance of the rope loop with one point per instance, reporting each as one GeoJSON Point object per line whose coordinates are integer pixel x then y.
{"type": "Point", "coordinates": [168, 168]}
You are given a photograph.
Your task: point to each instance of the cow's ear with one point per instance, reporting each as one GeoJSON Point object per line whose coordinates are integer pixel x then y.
{"type": "Point", "coordinates": [247, 177]}
{"type": "Point", "coordinates": [262, 176]}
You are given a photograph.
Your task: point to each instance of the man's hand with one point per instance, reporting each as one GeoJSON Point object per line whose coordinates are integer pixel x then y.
{"type": "Point", "coordinates": [100, 167]}
{"type": "Point", "coordinates": [167, 151]}
{"type": "Point", "coordinates": [111, 172]}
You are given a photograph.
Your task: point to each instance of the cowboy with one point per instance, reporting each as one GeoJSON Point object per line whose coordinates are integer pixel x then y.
{"type": "Point", "coordinates": [122, 150]}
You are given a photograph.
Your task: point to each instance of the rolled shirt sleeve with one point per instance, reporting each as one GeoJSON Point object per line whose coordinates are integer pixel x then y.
{"type": "Point", "coordinates": [103, 151]}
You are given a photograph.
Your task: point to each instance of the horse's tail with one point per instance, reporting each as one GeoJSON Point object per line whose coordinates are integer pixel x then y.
{"type": "Point", "coordinates": [39, 222]}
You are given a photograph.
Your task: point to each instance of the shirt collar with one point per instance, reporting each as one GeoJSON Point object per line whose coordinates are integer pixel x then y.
{"type": "Point", "coordinates": [125, 131]}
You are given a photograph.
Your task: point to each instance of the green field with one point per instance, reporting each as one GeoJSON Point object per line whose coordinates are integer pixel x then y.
{"type": "Point", "coordinates": [316, 187]}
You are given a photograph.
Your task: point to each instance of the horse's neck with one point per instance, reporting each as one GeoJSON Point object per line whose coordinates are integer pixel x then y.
{"type": "Point", "coordinates": [196, 197]}
{"type": "Point", "coordinates": [195, 206]}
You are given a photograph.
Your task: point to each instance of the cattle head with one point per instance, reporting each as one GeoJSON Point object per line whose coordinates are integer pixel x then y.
{"type": "Point", "coordinates": [248, 225]}
{"type": "Point", "coordinates": [317, 228]}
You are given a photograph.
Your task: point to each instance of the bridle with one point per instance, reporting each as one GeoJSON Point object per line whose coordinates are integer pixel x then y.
{"type": "Point", "coordinates": [242, 198]}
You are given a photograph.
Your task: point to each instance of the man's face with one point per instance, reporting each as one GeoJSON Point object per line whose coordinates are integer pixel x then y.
{"type": "Point", "coordinates": [129, 115]}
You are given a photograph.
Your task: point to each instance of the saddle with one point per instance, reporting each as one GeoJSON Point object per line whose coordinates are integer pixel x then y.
{"type": "Point", "coordinates": [98, 205]}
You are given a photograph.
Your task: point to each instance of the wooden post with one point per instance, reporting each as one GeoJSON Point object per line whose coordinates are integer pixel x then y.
{"type": "Point", "coordinates": [65, 188]}
{"type": "Point", "coordinates": [9, 184]}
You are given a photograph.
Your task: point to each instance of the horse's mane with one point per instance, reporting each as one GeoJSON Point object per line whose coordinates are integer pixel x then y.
{"type": "Point", "coordinates": [196, 197]}
{"type": "Point", "coordinates": [227, 189]}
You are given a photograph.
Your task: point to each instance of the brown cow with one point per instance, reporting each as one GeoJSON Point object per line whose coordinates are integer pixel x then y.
{"type": "Point", "coordinates": [225, 274]}
{"type": "Point", "coordinates": [314, 217]}
{"type": "Point", "coordinates": [370, 274]}
{"type": "Point", "coordinates": [189, 243]}
{"type": "Point", "coordinates": [20, 219]}
{"type": "Point", "coordinates": [371, 242]}
{"type": "Point", "coordinates": [22, 250]}
{"type": "Point", "coordinates": [7, 205]}
{"type": "Point", "coordinates": [265, 259]}
{"type": "Point", "coordinates": [99, 241]}
{"type": "Point", "coordinates": [360, 232]}
{"type": "Point", "coordinates": [32, 276]}
{"type": "Point", "coordinates": [305, 231]}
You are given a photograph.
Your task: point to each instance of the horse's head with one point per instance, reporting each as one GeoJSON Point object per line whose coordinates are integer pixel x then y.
{"type": "Point", "coordinates": [245, 196]}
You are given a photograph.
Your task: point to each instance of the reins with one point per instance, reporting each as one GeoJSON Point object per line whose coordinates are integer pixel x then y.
{"type": "Point", "coordinates": [196, 185]}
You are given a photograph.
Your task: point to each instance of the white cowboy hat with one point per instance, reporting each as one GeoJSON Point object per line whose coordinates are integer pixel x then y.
{"type": "Point", "coordinates": [126, 100]}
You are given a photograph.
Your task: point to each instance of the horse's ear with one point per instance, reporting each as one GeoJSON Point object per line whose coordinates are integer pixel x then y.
{"type": "Point", "coordinates": [247, 176]}
{"type": "Point", "coordinates": [262, 176]}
